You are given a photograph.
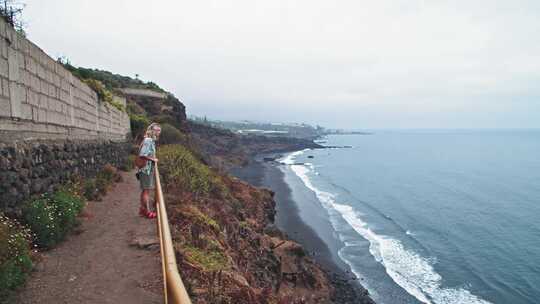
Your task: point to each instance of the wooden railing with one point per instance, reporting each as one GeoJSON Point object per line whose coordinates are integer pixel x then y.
{"type": "Point", "coordinates": [174, 289]}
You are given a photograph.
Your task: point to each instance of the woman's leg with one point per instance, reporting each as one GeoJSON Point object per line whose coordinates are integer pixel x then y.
{"type": "Point", "coordinates": [145, 205]}
{"type": "Point", "coordinates": [145, 199]}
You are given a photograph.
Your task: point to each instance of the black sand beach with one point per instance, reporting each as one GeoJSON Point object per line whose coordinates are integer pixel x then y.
{"type": "Point", "coordinates": [266, 174]}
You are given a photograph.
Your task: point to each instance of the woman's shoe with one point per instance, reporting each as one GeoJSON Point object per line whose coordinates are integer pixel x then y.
{"type": "Point", "coordinates": [151, 214]}
{"type": "Point", "coordinates": [143, 212]}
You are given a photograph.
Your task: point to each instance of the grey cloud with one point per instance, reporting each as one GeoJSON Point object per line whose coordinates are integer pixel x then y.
{"type": "Point", "coordinates": [358, 64]}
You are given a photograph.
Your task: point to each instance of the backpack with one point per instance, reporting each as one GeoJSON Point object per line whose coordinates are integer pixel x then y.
{"type": "Point", "coordinates": [140, 162]}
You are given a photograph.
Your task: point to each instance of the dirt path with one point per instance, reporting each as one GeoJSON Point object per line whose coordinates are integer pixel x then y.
{"type": "Point", "coordinates": [114, 259]}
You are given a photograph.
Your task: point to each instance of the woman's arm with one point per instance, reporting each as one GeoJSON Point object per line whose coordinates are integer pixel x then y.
{"type": "Point", "coordinates": [154, 159]}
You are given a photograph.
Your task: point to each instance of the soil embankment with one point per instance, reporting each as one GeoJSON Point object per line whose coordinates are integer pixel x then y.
{"type": "Point", "coordinates": [113, 259]}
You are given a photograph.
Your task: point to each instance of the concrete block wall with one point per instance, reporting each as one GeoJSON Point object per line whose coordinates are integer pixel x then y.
{"type": "Point", "coordinates": [40, 99]}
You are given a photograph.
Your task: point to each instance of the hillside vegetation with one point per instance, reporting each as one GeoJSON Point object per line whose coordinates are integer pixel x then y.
{"type": "Point", "coordinates": [228, 249]}
{"type": "Point", "coordinates": [110, 80]}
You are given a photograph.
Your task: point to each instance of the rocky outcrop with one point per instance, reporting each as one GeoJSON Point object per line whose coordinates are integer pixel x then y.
{"type": "Point", "coordinates": [159, 107]}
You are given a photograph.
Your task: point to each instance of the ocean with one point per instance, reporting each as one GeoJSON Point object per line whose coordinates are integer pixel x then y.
{"type": "Point", "coordinates": [428, 216]}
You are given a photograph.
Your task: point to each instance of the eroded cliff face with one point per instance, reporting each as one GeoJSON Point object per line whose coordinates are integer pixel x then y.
{"type": "Point", "coordinates": [163, 107]}
{"type": "Point", "coordinates": [229, 251]}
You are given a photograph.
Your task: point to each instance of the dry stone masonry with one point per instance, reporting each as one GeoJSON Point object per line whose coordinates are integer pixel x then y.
{"type": "Point", "coordinates": [32, 168]}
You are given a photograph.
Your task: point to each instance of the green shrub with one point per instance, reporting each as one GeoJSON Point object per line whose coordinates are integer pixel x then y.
{"type": "Point", "coordinates": [211, 259]}
{"type": "Point", "coordinates": [102, 185]}
{"type": "Point", "coordinates": [73, 187]}
{"type": "Point", "coordinates": [68, 207]}
{"type": "Point", "coordinates": [52, 216]}
{"type": "Point", "coordinates": [15, 262]}
{"type": "Point", "coordinates": [94, 188]}
{"type": "Point", "coordinates": [90, 191]}
{"type": "Point", "coordinates": [117, 105]}
{"type": "Point", "coordinates": [164, 119]}
{"type": "Point", "coordinates": [168, 119]}
{"type": "Point", "coordinates": [198, 217]}
{"type": "Point", "coordinates": [134, 108]}
{"type": "Point", "coordinates": [106, 177]}
{"type": "Point", "coordinates": [138, 124]}
{"type": "Point", "coordinates": [129, 163]}
{"type": "Point", "coordinates": [170, 135]}
{"type": "Point", "coordinates": [109, 79]}
{"type": "Point", "coordinates": [180, 168]}
{"type": "Point", "coordinates": [110, 173]}
{"type": "Point", "coordinates": [102, 92]}
{"type": "Point", "coordinates": [43, 219]}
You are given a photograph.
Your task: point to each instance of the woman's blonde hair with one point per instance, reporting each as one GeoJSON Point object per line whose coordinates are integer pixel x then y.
{"type": "Point", "coordinates": [151, 130]}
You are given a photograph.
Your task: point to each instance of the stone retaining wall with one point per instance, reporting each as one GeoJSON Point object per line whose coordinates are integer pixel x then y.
{"type": "Point", "coordinates": [30, 168]}
{"type": "Point", "coordinates": [52, 125]}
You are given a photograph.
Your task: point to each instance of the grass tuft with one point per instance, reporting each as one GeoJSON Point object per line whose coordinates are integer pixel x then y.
{"type": "Point", "coordinates": [211, 259]}
{"type": "Point", "coordinates": [181, 169]}
{"type": "Point", "coordinates": [198, 217]}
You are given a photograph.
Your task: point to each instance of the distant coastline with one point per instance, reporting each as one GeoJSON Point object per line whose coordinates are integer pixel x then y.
{"type": "Point", "coordinates": [343, 132]}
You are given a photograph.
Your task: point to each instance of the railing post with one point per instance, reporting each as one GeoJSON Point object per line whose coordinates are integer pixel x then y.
{"type": "Point", "coordinates": [175, 291]}
{"type": "Point", "coordinates": [160, 235]}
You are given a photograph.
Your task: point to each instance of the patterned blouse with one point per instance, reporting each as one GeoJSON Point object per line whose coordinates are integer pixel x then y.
{"type": "Point", "coordinates": [148, 148]}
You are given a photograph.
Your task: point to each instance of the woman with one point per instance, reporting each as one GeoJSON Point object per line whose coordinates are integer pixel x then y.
{"type": "Point", "coordinates": [146, 173]}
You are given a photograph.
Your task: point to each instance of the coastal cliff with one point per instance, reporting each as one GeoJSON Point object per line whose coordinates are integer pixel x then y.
{"type": "Point", "coordinates": [225, 150]}
{"type": "Point", "coordinates": [228, 248]}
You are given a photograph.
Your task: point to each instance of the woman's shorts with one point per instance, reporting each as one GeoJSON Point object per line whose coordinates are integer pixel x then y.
{"type": "Point", "coordinates": [147, 181]}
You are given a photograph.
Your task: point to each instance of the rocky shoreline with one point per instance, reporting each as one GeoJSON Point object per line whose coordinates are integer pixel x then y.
{"type": "Point", "coordinates": [253, 160]}
{"type": "Point", "coordinates": [262, 172]}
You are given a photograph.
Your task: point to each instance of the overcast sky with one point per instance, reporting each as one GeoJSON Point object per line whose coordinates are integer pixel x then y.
{"type": "Point", "coordinates": [341, 63]}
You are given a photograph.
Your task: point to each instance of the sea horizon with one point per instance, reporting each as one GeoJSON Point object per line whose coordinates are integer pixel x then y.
{"type": "Point", "coordinates": [442, 129]}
